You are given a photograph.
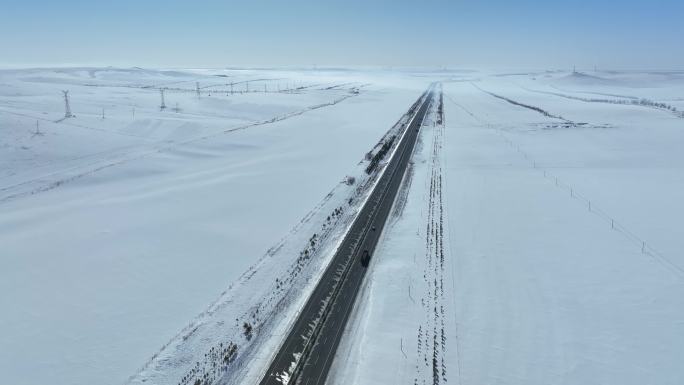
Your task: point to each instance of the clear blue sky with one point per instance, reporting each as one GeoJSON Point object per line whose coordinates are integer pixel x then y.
{"type": "Point", "coordinates": [476, 33]}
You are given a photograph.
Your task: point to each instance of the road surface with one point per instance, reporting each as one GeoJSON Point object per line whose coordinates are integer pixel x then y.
{"type": "Point", "coordinates": [317, 332]}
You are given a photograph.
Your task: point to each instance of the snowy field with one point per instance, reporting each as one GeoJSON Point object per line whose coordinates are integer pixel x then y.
{"type": "Point", "coordinates": [117, 234]}
{"type": "Point", "coordinates": [540, 242]}
{"type": "Point", "coordinates": [537, 241]}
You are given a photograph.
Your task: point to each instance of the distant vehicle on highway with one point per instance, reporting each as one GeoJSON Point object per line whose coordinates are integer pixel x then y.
{"type": "Point", "coordinates": [365, 258]}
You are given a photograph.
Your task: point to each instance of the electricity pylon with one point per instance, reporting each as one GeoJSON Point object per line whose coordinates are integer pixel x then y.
{"type": "Point", "coordinates": [67, 108]}
{"type": "Point", "coordinates": [37, 129]}
{"type": "Point", "coordinates": [163, 104]}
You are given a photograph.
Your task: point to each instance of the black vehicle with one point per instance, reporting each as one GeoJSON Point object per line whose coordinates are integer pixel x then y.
{"type": "Point", "coordinates": [365, 258]}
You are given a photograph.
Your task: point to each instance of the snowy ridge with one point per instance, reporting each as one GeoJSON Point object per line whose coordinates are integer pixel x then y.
{"type": "Point", "coordinates": [517, 103]}
{"type": "Point", "coordinates": [626, 100]}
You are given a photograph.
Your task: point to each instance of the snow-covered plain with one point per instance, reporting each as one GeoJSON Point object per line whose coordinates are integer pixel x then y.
{"type": "Point", "coordinates": [561, 239]}
{"type": "Point", "coordinates": [134, 248]}
{"type": "Point", "coordinates": [117, 234]}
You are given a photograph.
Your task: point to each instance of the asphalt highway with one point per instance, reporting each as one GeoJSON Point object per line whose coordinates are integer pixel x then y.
{"type": "Point", "coordinates": [317, 332]}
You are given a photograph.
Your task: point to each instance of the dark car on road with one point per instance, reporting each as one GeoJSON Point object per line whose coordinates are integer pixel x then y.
{"type": "Point", "coordinates": [365, 258]}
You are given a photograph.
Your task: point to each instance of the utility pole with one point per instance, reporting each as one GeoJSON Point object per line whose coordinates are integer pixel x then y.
{"type": "Point", "coordinates": [163, 105]}
{"type": "Point", "coordinates": [231, 88]}
{"type": "Point", "coordinates": [265, 89]}
{"type": "Point", "coordinates": [37, 129]}
{"type": "Point", "coordinates": [247, 86]}
{"type": "Point", "coordinates": [67, 108]}
{"type": "Point", "coordinates": [102, 112]}
{"type": "Point", "coordinates": [198, 90]}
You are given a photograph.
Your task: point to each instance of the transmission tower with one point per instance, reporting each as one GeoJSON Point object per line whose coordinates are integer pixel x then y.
{"type": "Point", "coordinates": [163, 105]}
{"type": "Point", "coordinates": [67, 108]}
{"type": "Point", "coordinates": [246, 86]}
{"type": "Point", "coordinates": [198, 90]}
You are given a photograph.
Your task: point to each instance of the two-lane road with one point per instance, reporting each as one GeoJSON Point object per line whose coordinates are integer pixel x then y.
{"type": "Point", "coordinates": [307, 353]}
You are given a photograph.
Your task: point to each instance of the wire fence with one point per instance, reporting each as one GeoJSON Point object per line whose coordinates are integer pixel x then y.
{"type": "Point", "coordinates": [646, 249]}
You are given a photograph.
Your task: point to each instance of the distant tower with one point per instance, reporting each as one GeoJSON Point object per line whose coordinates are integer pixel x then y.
{"type": "Point", "coordinates": [163, 104]}
{"type": "Point", "coordinates": [198, 90]}
{"type": "Point", "coordinates": [231, 88]}
{"type": "Point", "coordinates": [265, 89]}
{"type": "Point", "coordinates": [247, 86]}
{"type": "Point", "coordinates": [67, 108]}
